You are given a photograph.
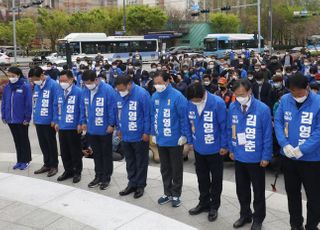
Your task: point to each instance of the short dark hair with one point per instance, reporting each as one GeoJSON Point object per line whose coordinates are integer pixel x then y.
{"type": "Point", "coordinates": [49, 63]}
{"type": "Point", "coordinates": [89, 75]}
{"type": "Point", "coordinates": [165, 76]}
{"type": "Point", "coordinates": [246, 84]}
{"type": "Point", "coordinates": [68, 73]}
{"type": "Point", "coordinates": [195, 90]}
{"type": "Point", "coordinates": [37, 72]}
{"type": "Point", "coordinates": [15, 70]}
{"type": "Point", "coordinates": [298, 81]}
{"type": "Point", "coordinates": [123, 80]}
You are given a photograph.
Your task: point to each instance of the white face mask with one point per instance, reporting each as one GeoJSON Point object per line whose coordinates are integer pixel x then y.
{"type": "Point", "coordinates": [123, 93]}
{"type": "Point", "coordinates": [300, 99]}
{"type": "Point", "coordinates": [39, 82]}
{"type": "Point", "coordinates": [91, 86]}
{"type": "Point", "coordinates": [153, 69]}
{"type": "Point", "coordinates": [242, 100]}
{"type": "Point", "coordinates": [13, 79]}
{"type": "Point", "coordinates": [160, 88]}
{"type": "Point", "coordinates": [64, 85]}
{"type": "Point", "coordinates": [210, 66]}
{"type": "Point", "coordinates": [277, 85]}
{"type": "Point", "coordinates": [102, 79]}
{"type": "Point", "coordinates": [260, 82]}
{"type": "Point", "coordinates": [250, 77]}
{"type": "Point", "coordinates": [206, 83]}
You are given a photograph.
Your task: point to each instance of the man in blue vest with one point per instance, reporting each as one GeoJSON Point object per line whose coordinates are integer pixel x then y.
{"type": "Point", "coordinates": [97, 117]}
{"type": "Point", "coordinates": [66, 109]}
{"type": "Point", "coordinates": [249, 127]}
{"type": "Point", "coordinates": [44, 93]}
{"type": "Point", "coordinates": [169, 127]}
{"type": "Point", "coordinates": [208, 118]}
{"type": "Point", "coordinates": [297, 127]}
{"type": "Point", "coordinates": [133, 122]}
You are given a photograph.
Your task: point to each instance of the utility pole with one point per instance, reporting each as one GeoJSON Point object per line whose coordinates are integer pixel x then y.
{"type": "Point", "coordinates": [14, 31]}
{"type": "Point", "coordinates": [259, 25]}
{"type": "Point", "coordinates": [270, 26]}
{"type": "Point", "coordinates": [124, 17]}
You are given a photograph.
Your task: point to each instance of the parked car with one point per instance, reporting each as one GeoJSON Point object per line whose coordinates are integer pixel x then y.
{"type": "Point", "coordinates": [9, 50]}
{"type": "Point", "coordinates": [4, 60]}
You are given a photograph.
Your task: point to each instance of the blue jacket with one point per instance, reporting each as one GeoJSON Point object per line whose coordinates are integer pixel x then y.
{"type": "Point", "coordinates": [250, 133]}
{"type": "Point", "coordinates": [299, 126]}
{"type": "Point", "coordinates": [100, 113]}
{"type": "Point", "coordinates": [43, 102]}
{"type": "Point", "coordinates": [16, 104]}
{"type": "Point", "coordinates": [169, 119]}
{"type": "Point", "coordinates": [117, 71]}
{"type": "Point", "coordinates": [66, 110]}
{"type": "Point", "coordinates": [209, 128]}
{"type": "Point", "coordinates": [133, 117]}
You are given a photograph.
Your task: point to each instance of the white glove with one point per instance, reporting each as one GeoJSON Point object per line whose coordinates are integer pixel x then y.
{"type": "Point", "coordinates": [297, 152]}
{"type": "Point", "coordinates": [154, 139]}
{"type": "Point", "coordinates": [289, 151]}
{"type": "Point", "coordinates": [182, 140]}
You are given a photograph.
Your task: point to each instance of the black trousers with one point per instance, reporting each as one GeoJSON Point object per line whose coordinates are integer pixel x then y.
{"type": "Point", "coordinates": [247, 174]}
{"type": "Point", "coordinates": [71, 152]}
{"type": "Point", "coordinates": [102, 156]}
{"type": "Point", "coordinates": [171, 167]}
{"type": "Point", "coordinates": [296, 174]}
{"type": "Point", "coordinates": [209, 169]}
{"type": "Point", "coordinates": [48, 145]}
{"type": "Point", "coordinates": [21, 141]}
{"type": "Point", "coordinates": [137, 159]}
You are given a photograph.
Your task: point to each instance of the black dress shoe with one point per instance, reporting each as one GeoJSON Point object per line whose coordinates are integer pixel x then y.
{"type": "Point", "coordinates": [138, 193]}
{"type": "Point", "coordinates": [65, 176]}
{"type": "Point", "coordinates": [104, 185]}
{"type": "Point", "coordinates": [256, 226]}
{"type": "Point", "coordinates": [198, 209]}
{"type": "Point", "coordinates": [94, 183]}
{"type": "Point", "coordinates": [213, 215]}
{"type": "Point", "coordinates": [52, 172]}
{"type": "Point", "coordinates": [242, 221]}
{"type": "Point", "coordinates": [43, 169]}
{"type": "Point", "coordinates": [76, 178]}
{"type": "Point", "coordinates": [127, 191]}
{"type": "Point", "coordinates": [297, 228]}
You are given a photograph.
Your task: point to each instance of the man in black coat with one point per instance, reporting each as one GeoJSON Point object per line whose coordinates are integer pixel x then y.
{"type": "Point", "coordinates": [262, 90]}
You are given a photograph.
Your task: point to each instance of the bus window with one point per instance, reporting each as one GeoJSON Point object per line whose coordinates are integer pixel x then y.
{"type": "Point", "coordinates": [123, 47]}
{"type": "Point", "coordinates": [223, 45]}
{"type": "Point", "coordinates": [102, 47]}
{"type": "Point", "coordinates": [89, 47]}
{"type": "Point", "coordinates": [75, 47]}
{"type": "Point", "coordinates": [210, 44]}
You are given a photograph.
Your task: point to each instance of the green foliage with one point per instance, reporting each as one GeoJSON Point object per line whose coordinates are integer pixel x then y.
{"type": "Point", "coordinates": [225, 23]}
{"type": "Point", "coordinates": [54, 24]}
{"type": "Point", "coordinates": [142, 19]}
{"type": "Point", "coordinates": [26, 32]}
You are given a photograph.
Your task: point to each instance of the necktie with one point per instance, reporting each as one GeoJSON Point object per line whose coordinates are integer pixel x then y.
{"type": "Point", "coordinates": [244, 108]}
{"type": "Point", "coordinates": [65, 94]}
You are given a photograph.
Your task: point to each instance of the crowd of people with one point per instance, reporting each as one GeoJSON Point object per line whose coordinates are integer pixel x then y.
{"type": "Point", "coordinates": [248, 107]}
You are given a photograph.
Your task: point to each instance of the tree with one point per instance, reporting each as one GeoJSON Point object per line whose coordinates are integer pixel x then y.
{"type": "Point", "coordinates": [26, 32]}
{"type": "Point", "coordinates": [225, 23]}
{"type": "Point", "coordinates": [142, 19]}
{"type": "Point", "coordinates": [54, 24]}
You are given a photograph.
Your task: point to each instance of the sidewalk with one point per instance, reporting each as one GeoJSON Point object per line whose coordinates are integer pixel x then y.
{"type": "Point", "coordinates": [29, 201]}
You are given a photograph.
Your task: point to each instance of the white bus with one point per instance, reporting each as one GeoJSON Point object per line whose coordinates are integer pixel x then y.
{"type": "Point", "coordinates": [111, 47]}
{"type": "Point", "coordinates": [222, 44]}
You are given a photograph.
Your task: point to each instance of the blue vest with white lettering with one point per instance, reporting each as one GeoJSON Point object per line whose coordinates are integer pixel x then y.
{"type": "Point", "coordinates": [67, 109]}
{"type": "Point", "coordinates": [99, 114]}
{"type": "Point", "coordinates": [169, 119]}
{"type": "Point", "coordinates": [209, 128]}
{"type": "Point", "coordinates": [43, 102]}
{"type": "Point", "coordinates": [133, 117]}
{"type": "Point", "coordinates": [299, 127]}
{"type": "Point", "coordinates": [250, 133]}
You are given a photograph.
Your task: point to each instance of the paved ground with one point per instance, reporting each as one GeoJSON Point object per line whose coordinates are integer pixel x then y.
{"type": "Point", "coordinates": [22, 214]}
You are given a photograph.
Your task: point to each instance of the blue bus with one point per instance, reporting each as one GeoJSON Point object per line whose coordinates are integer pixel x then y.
{"type": "Point", "coordinates": [221, 45]}
{"type": "Point", "coordinates": [111, 47]}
